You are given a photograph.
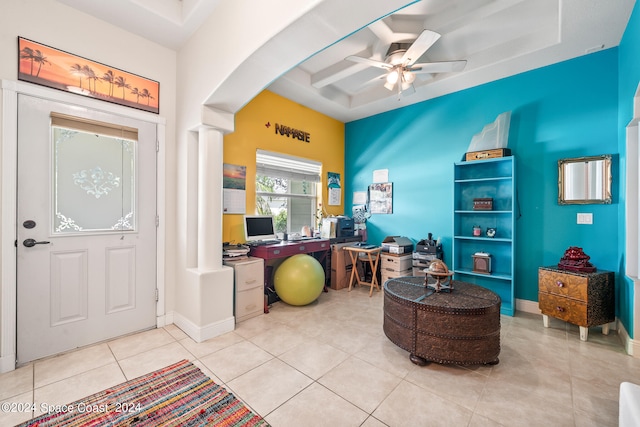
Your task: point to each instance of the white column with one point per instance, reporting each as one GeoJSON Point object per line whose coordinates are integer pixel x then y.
{"type": "Point", "coordinates": [204, 306]}
{"type": "Point", "coordinates": [210, 160]}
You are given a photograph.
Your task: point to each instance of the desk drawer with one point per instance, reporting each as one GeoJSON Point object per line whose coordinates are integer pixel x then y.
{"type": "Point", "coordinates": [249, 277]}
{"type": "Point", "coordinates": [567, 309]}
{"type": "Point", "coordinates": [249, 304]}
{"type": "Point", "coordinates": [287, 250]}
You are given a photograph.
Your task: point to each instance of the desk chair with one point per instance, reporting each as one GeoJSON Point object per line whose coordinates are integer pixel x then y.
{"type": "Point", "coordinates": [365, 255]}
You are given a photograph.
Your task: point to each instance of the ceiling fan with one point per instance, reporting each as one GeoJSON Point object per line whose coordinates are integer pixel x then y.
{"type": "Point", "coordinates": [400, 62]}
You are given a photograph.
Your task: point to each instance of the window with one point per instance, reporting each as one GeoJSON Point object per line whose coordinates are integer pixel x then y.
{"type": "Point", "coordinates": [287, 188]}
{"type": "Point", "coordinates": [94, 188]}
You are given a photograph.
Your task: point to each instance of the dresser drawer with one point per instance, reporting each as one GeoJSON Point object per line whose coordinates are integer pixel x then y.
{"type": "Point", "coordinates": [563, 284]}
{"type": "Point", "coordinates": [567, 309]}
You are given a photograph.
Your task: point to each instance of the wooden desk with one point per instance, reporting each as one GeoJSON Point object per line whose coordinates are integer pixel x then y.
{"type": "Point", "coordinates": [318, 248]}
{"type": "Point", "coordinates": [373, 256]}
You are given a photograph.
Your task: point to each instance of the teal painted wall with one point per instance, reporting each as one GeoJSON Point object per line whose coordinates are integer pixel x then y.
{"type": "Point", "coordinates": [629, 65]}
{"type": "Point", "coordinates": [564, 110]}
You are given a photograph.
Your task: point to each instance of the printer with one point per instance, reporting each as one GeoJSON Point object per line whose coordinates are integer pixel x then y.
{"type": "Point", "coordinates": [342, 226]}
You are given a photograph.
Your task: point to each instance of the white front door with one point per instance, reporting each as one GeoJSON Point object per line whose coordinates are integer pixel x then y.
{"type": "Point", "coordinates": [86, 227]}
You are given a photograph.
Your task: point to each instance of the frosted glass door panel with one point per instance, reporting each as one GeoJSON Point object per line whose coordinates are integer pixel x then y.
{"type": "Point", "coordinates": [93, 182]}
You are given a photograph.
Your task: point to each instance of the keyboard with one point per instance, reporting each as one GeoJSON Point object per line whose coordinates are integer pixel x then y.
{"type": "Point", "coordinates": [299, 239]}
{"type": "Point", "coordinates": [264, 242]}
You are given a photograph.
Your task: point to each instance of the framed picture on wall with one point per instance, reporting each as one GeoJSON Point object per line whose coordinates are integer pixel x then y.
{"type": "Point", "coordinates": [234, 184]}
{"type": "Point", "coordinates": [54, 68]}
{"type": "Point", "coordinates": [381, 198]}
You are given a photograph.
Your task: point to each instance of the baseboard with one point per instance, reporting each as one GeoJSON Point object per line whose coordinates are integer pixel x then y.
{"type": "Point", "coordinates": [7, 363]}
{"type": "Point", "coordinates": [164, 320]}
{"type": "Point", "coordinates": [203, 333]}
{"type": "Point", "coordinates": [631, 346]}
{"type": "Point", "coordinates": [527, 306]}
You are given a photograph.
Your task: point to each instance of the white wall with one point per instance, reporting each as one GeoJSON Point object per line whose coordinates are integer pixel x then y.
{"type": "Point", "coordinates": [51, 23]}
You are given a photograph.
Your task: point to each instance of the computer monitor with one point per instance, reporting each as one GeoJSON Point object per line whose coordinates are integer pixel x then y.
{"type": "Point", "coordinates": [259, 227]}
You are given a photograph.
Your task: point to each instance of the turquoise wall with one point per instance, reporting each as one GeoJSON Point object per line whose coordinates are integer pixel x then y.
{"type": "Point", "coordinates": [629, 77]}
{"type": "Point", "coordinates": [564, 110]}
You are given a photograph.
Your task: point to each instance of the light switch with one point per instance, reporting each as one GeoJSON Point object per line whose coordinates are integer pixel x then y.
{"type": "Point", "coordinates": [585, 218]}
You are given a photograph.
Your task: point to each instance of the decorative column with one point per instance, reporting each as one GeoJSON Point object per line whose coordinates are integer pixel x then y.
{"type": "Point", "coordinates": [210, 155]}
{"type": "Point", "coordinates": [204, 306]}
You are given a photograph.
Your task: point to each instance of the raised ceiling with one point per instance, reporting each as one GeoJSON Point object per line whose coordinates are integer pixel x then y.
{"type": "Point", "coordinates": [497, 38]}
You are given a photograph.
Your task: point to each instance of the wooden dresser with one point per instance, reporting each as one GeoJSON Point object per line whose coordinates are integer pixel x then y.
{"type": "Point", "coordinates": [583, 299]}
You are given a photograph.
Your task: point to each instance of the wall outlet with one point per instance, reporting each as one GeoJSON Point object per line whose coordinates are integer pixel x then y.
{"type": "Point", "coordinates": [585, 218]}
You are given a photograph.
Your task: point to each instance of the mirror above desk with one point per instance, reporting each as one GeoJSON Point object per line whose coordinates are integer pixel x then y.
{"type": "Point", "coordinates": [584, 180]}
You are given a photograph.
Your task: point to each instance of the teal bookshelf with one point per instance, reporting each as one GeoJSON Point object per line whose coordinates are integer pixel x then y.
{"type": "Point", "coordinates": [490, 178]}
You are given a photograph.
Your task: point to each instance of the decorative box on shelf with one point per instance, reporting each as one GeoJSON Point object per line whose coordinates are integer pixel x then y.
{"type": "Point", "coordinates": [482, 263]}
{"type": "Point", "coordinates": [487, 154]}
{"type": "Point", "coordinates": [483, 204]}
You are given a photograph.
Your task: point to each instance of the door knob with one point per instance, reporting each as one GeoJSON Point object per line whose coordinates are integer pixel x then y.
{"type": "Point", "coordinates": [31, 243]}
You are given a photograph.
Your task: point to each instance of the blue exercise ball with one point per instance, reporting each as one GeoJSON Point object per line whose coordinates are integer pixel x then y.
{"type": "Point", "coordinates": [299, 280]}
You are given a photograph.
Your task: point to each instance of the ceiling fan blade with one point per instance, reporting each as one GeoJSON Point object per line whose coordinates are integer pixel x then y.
{"type": "Point", "coordinates": [438, 67]}
{"type": "Point", "coordinates": [372, 81]}
{"type": "Point", "coordinates": [369, 62]}
{"type": "Point", "coordinates": [425, 40]}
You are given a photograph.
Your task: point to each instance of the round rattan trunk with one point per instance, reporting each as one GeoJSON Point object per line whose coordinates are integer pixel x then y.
{"type": "Point", "coordinates": [459, 326]}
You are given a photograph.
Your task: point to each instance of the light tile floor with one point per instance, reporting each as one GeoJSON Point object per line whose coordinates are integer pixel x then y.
{"type": "Point", "coordinates": [330, 364]}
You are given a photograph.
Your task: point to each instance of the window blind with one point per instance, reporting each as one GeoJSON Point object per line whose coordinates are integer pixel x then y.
{"type": "Point", "coordinates": [94, 126]}
{"type": "Point", "coordinates": [283, 166]}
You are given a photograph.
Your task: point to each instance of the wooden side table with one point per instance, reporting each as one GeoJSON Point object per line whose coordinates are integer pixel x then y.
{"type": "Point", "coordinates": [373, 257]}
{"type": "Point", "coordinates": [584, 299]}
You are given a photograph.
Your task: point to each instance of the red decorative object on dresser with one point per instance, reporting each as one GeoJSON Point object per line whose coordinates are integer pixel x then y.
{"type": "Point", "coordinates": [574, 259]}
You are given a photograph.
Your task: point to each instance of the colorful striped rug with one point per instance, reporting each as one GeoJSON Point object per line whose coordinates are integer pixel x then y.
{"type": "Point", "coordinates": [178, 395]}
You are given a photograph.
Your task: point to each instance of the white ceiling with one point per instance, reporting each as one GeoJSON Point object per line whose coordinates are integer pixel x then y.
{"type": "Point", "coordinates": [497, 38]}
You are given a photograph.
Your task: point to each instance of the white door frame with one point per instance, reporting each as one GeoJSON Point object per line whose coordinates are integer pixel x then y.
{"type": "Point", "coordinates": [9, 146]}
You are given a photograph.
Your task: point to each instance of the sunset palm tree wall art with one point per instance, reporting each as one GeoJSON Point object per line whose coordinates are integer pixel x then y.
{"type": "Point", "coordinates": [121, 82]}
{"type": "Point", "coordinates": [57, 69]}
{"type": "Point", "coordinates": [39, 58]}
{"type": "Point", "coordinates": [76, 70]}
{"type": "Point", "coordinates": [109, 77]}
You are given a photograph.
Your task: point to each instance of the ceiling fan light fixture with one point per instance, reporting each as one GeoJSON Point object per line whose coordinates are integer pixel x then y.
{"type": "Point", "coordinates": [408, 77]}
{"type": "Point", "coordinates": [401, 64]}
{"type": "Point", "coordinates": [392, 77]}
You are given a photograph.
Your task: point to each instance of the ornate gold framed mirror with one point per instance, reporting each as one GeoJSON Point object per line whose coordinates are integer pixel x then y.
{"type": "Point", "coordinates": [584, 180]}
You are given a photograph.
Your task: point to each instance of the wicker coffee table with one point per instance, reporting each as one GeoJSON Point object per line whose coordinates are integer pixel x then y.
{"type": "Point", "coordinates": [460, 327]}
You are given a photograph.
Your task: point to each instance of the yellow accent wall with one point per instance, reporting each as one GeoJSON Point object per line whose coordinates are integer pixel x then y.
{"type": "Point", "coordinates": [326, 145]}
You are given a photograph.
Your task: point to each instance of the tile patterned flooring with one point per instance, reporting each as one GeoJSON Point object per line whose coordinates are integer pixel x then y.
{"type": "Point", "coordinates": [330, 364]}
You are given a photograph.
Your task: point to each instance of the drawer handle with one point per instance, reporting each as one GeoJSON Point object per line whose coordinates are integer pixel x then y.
{"type": "Point", "coordinates": [302, 248]}
{"type": "Point", "coordinates": [560, 309]}
{"type": "Point", "coordinates": [560, 284]}
{"type": "Point", "coordinates": [250, 281]}
{"type": "Point", "coordinates": [276, 252]}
